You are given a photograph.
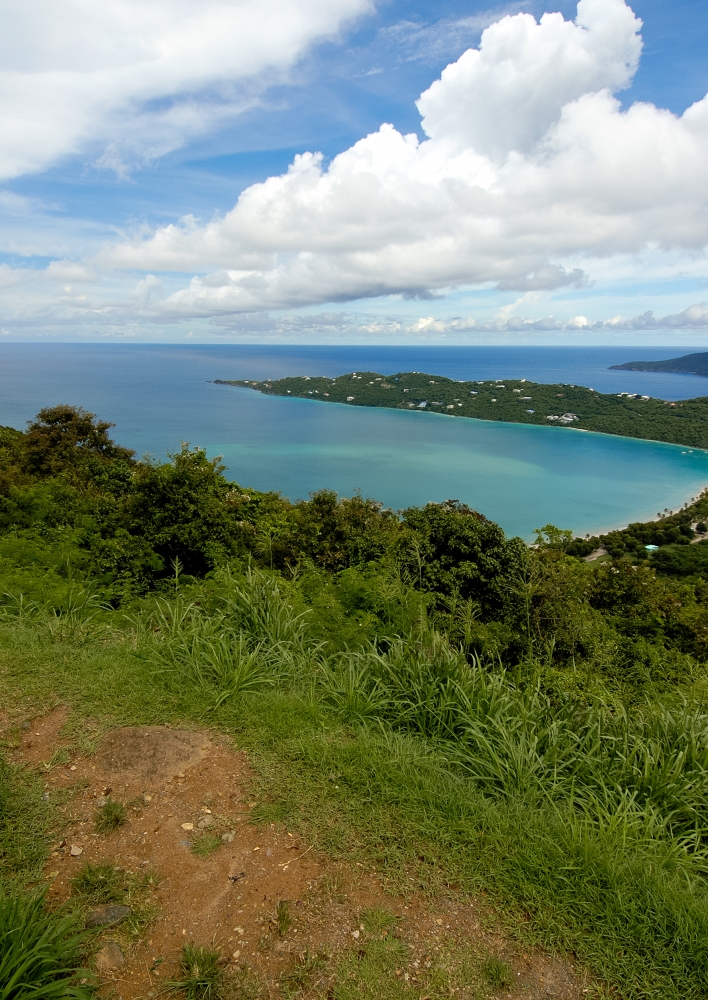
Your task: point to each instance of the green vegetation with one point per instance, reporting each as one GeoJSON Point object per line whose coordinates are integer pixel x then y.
{"type": "Point", "coordinates": [99, 884]}
{"type": "Point", "coordinates": [110, 816]}
{"type": "Point", "coordinates": [510, 400]}
{"type": "Point", "coordinates": [40, 953]}
{"type": "Point", "coordinates": [283, 917]}
{"type": "Point", "coordinates": [670, 530]}
{"type": "Point", "coordinates": [202, 974]}
{"type": "Point", "coordinates": [454, 709]}
{"type": "Point", "coordinates": [687, 364]}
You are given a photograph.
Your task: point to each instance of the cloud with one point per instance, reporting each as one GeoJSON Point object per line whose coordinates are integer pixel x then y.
{"type": "Point", "coordinates": [135, 78]}
{"type": "Point", "coordinates": [695, 317]}
{"type": "Point", "coordinates": [507, 94]}
{"type": "Point", "coordinates": [530, 167]}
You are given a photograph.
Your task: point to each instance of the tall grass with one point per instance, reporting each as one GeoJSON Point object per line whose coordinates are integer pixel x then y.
{"type": "Point", "coordinates": [589, 815]}
{"type": "Point", "coordinates": [40, 952]}
{"type": "Point", "coordinates": [648, 768]}
{"type": "Point", "coordinates": [252, 639]}
{"type": "Point", "coordinates": [79, 619]}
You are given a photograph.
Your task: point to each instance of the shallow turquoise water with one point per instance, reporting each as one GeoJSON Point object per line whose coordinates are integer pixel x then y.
{"type": "Point", "coordinates": [520, 476]}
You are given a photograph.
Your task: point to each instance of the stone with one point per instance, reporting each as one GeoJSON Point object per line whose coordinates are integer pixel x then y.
{"type": "Point", "coordinates": [101, 801]}
{"type": "Point", "coordinates": [206, 821]}
{"type": "Point", "coordinates": [106, 916]}
{"type": "Point", "coordinates": [228, 838]}
{"type": "Point", "coordinates": [76, 851]}
{"type": "Point", "coordinates": [110, 957]}
{"type": "Point", "coordinates": [187, 826]}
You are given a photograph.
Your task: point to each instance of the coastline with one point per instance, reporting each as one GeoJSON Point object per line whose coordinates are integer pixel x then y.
{"type": "Point", "coordinates": [493, 489]}
{"type": "Point", "coordinates": [647, 520]}
{"type": "Point", "coordinates": [623, 414]}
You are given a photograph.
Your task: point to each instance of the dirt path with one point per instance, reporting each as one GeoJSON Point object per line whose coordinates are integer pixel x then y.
{"type": "Point", "coordinates": [182, 787]}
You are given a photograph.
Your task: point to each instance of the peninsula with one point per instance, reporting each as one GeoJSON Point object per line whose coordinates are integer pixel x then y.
{"type": "Point", "coordinates": [510, 400]}
{"type": "Point", "coordinates": [688, 364]}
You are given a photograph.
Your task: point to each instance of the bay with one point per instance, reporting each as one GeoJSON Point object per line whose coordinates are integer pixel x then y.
{"type": "Point", "coordinates": [519, 476]}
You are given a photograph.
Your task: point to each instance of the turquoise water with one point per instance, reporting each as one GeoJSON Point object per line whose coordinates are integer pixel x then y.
{"type": "Point", "coordinates": [522, 477]}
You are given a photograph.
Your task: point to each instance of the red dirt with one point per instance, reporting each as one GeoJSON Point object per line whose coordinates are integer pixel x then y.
{"type": "Point", "coordinates": [175, 777]}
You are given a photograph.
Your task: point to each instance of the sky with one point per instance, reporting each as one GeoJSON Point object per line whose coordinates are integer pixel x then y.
{"type": "Point", "coordinates": [354, 171]}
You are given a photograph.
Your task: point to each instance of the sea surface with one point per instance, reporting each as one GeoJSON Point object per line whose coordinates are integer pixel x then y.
{"type": "Point", "coordinates": [520, 476]}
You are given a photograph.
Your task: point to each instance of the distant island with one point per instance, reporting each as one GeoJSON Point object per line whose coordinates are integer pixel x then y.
{"type": "Point", "coordinates": [510, 400]}
{"type": "Point", "coordinates": [689, 364]}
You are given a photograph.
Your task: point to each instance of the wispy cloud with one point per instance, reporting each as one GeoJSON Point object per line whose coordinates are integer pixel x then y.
{"type": "Point", "coordinates": [133, 81]}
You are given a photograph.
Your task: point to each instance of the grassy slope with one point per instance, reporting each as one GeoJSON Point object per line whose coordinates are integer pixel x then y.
{"type": "Point", "coordinates": [639, 916]}
{"type": "Point", "coordinates": [685, 422]}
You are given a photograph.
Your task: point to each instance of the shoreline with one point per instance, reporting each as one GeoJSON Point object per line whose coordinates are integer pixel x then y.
{"type": "Point", "coordinates": [649, 520]}
{"type": "Point", "coordinates": [264, 388]}
{"type": "Point", "coordinates": [696, 490]}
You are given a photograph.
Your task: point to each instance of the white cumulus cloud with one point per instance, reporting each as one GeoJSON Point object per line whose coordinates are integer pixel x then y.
{"type": "Point", "coordinates": [531, 166]}
{"type": "Point", "coordinates": [137, 77]}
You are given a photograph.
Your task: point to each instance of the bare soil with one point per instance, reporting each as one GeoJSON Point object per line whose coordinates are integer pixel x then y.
{"type": "Point", "coordinates": [173, 781]}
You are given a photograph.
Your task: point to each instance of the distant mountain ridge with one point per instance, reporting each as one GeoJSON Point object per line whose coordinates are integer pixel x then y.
{"type": "Point", "coordinates": [689, 364]}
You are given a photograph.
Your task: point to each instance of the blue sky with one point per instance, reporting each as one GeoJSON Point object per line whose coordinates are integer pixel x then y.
{"type": "Point", "coordinates": [123, 170]}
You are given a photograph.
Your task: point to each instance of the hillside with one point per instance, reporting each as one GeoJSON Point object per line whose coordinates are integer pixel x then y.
{"type": "Point", "coordinates": [255, 750]}
{"type": "Point", "coordinates": [688, 364]}
{"type": "Point", "coordinates": [511, 400]}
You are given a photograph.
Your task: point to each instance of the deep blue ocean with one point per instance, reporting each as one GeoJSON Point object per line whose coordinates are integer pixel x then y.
{"type": "Point", "coordinates": [522, 477]}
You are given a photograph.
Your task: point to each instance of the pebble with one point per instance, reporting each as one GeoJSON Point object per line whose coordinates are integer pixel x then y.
{"type": "Point", "coordinates": [206, 821]}
{"type": "Point", "coordinates": [188, 826]}
{"type": "Point", "coordinates": [106, 916]}
{"type": "Point", "coordinates": [76, 851]}
{"type": "Point", "coordinates": [228, 838]}
{"type": "Point", "coordinates": [110, 957]}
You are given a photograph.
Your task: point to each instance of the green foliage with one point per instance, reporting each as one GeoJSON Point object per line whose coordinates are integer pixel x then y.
{"type": "Point", "coordinates": [202, 975]}
{"type": "Point", "coordinates": [415, 689]}
{"type": "Point", "coordinates": [377, 920]}
{"type": "Point", "coordinates": [40, 952]}
{"type": "Point", "coordinates": [496, 972]}
{"type": "Point", "coordinates": [181, 508]}
{"type": "Point", "coordinates": [513, 400]}
{"type": "Point", "coordinates": [336, 534]}
{"type": "Point", "coordinates": [99, 884]}
{"type": "Point", "coordinates": [450, 549]}
{"type": "Point", "coordinates": [96, 884]}
{"type": "Point", "coordinates": [283, 917]}
{"type": "Point", "coordinates": [26, 819]}
{"type": "Point", "coordinates": [249, 640]}
{"type": "Point", "coordinates": [683, 561]}
{"type": "Point", "coordinates": [70, 441]}
{"type": "Point", "coordinates": [110, 816]}
{"type": "Point", "coordinates": [206, 844]}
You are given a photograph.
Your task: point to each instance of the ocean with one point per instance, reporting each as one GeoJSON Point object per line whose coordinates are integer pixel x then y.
{"type": "Point", "coordinates": [522, 477]}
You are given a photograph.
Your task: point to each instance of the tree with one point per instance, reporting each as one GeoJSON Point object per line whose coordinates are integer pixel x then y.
{"type": "Point", "coordinates": [70, 441]}
{"type": "Point", "coordinates": [181, 507]}
{"type": "Point", "coordinates": [453, 550]}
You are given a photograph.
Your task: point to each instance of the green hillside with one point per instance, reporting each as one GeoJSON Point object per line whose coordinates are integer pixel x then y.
{"type": "Point", "coordinates": [688, 364]}
{"type": "Point", "coordinates": [512, 400]}
{"type": "Point", "coordinates": [413, 696]}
